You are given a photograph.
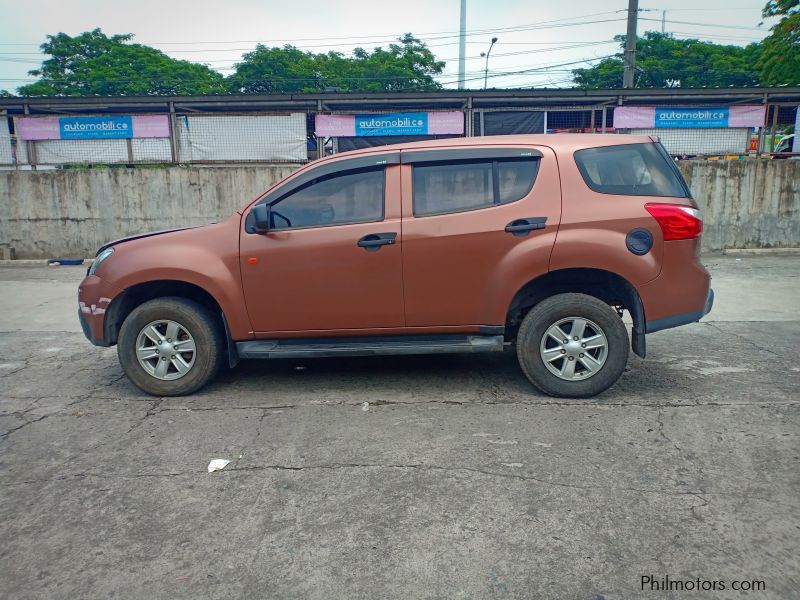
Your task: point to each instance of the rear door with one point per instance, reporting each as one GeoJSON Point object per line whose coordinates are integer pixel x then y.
{"type": "Point", "coordinates": [478, 223]}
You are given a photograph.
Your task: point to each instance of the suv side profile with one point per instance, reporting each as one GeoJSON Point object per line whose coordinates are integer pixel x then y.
{"type": "Point", "coordinates": [465, 245]}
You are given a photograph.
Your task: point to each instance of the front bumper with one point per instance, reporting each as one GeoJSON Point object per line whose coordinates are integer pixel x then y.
{"type": "Point", "coordinates": [87, 331]}
{"type": "Point", "coordinates": [92, 306]}
{"type": "Point", "coordinates": [682, 319]}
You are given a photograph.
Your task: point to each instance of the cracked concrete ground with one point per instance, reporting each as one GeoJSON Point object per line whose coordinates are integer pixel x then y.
{"type": "Point", "coordinates": [458, 481]}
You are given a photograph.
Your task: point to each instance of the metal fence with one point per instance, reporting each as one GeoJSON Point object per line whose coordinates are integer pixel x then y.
{"type": "Point", "coordinates": [263, 136]}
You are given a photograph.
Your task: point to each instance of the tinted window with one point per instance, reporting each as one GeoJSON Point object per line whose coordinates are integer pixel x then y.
{"type": "Point", "coordinates": [515, 179]}
{"type": "Point", "coordinates": [350, 197]}
{"type": "Point", "coordinates": [467, 185]}
{"type": "Point", "coordinates": [632, 170]}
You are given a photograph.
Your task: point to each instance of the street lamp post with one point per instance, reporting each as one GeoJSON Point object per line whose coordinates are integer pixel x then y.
{"type": "Point", "coordinates": [486, 54]}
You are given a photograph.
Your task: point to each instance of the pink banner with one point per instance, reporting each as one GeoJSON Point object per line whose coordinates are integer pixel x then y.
{"type": "Point", "coordinates": [445, 122]}
{"type": "Point", "coordinates": [746, 116]}
{"type": "Point", "coordinates": [49, 128]}
{"type": "Point", "coordinates": [45, 128]}
{"type": "Point", "coordinates": [335, 125]}
{"type": "Point", "coordinates": [150, 126]}
{"type": "Point", "coordinates": [424, 123]}
{"type": "Point", "coordinates": [644, 117]}
{"type": "Point", "coordinates": [634, 117]}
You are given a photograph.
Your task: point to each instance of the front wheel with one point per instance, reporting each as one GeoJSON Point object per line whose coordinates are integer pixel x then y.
{"type": "Point", "coordinates": [572, 346]}
{"type": "Point", "coordinates": [170, 346]}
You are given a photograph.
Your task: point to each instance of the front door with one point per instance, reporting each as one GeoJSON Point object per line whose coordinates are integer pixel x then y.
{"type": "Point", "coordinates": [331, 260]}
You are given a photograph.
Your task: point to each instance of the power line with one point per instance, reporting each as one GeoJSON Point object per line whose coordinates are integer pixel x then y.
{"type": "Point", "coordinates": [520, 28]}
{"type": "Point", "coordinates": [393, 36]}
{"type": "Point", "coordinates": [576, 62]}
{"type": "Point", "coordinates": [474, 57]}
{"type": "Point", "coordinates": [178, 79]}
{"type": "Point", "coordinates": [742, 27]}
{"type": "Point", "coordinates": [717, 37]}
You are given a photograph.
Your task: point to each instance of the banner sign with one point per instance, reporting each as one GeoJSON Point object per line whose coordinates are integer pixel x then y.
{"type": "Point", "coordinates": [683, 117]}
{"type": "Point", "coordinates": [89, 128]}
{"type": "Point", "coordinates": [416, 123]}
{"type": "Point", "coordinates": [393, 124]}
{"type": "Point", "coordinates": [691, 117]}
{"type": "Point", "coordinates": [92, 128]}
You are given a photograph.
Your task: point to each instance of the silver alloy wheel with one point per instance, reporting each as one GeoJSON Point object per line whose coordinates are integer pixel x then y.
{"type": "Point", "coordinates": [165, 349]}
{"type": "Point", "coordinates": [574, 348]}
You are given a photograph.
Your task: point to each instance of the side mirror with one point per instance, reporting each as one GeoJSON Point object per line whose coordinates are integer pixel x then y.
{"type": "Point", "coordinates": [261, 217]}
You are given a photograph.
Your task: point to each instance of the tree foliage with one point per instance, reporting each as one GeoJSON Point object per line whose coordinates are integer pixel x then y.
{"type": "Point", "coordinates": [663, 61]}
{"type": "Point", "coordinates": [93, 64]}
{"type": "Point", "coordinates": [407, 65]}
{"type": "Point", "coordinates": [779, 62]}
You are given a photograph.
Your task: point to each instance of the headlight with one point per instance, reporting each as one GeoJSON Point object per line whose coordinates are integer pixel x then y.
{"type": "Point", "coordinates": [99, 259]}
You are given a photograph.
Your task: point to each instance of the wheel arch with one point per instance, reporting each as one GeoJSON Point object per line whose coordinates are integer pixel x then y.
{"type": "Point", "coordinates": [125, 302]}
{"type": "Point", "coordinates": [610, 287]}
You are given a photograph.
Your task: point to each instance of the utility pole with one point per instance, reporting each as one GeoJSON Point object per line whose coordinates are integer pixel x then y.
{"type": "Point", "coordinates": [462, 45]}
{"type": "Point", "coordinates": [630, 45]}
{"type": "Point", "coordinates": [663, 21]}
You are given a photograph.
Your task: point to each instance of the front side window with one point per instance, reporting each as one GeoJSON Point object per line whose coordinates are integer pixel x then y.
{"type": "Point", "coordinates": [631, 170]}
{"type": "Point", "coordinates": [457, 186]}
{"type": "Point", "coordinates": [337, 199]}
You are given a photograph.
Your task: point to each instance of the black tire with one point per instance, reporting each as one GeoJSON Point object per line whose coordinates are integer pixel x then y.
{"type": "Point", "coordinates": [204, 327]}
{"type": "Point", "coordinates": [562, 306]}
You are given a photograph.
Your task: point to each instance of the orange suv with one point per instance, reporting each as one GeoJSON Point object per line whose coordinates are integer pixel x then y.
{"type": "Point", "coordinates": [443, 246]}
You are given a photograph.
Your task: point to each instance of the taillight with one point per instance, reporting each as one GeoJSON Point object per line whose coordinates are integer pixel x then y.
{"type": "Point", "coordinates": [677, 222]}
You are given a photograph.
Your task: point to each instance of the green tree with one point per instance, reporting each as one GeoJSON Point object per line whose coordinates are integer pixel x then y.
{"type": "Point", "coordinates": [93, 64]}
{"type": "Point", "coordinates": [663, 61]}
{"type": "Point", "coordinates": [266, 70]}
{"type": "Point", "coordinates": [779, 62]}
{"type": "Point", "coordinates": [407, 65]}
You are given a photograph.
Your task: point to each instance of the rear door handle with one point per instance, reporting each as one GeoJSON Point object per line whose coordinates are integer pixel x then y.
{"type": "Point", "coordinates": [522, 227]}
{"type": "Point", "coordinates": [372, 242]}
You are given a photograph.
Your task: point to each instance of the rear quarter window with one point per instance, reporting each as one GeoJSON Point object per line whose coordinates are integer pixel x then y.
{"type": "Point", "coordinates": [631, 170]}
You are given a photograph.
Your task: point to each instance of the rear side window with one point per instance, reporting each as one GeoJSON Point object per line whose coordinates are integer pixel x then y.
{"type": "Point", "coordinates": [631, 170]}
{"type": "Point", "coordinates": [458, 186]}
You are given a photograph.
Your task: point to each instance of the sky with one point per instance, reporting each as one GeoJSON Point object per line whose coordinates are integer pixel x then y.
{"type": "Point", "coordinates": [539, 41]}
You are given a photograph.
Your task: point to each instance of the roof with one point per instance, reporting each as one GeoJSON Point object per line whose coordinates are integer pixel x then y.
{"type": "Point", "coordinates": [386, 101]}
{"type": "Point", "coordinates": [560, 142]}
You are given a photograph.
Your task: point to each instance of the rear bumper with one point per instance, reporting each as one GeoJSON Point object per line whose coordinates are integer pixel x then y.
{"type": "Point", "coordinates": [681, 319]}
{"type": "Point", "coordinates": [681, 293]}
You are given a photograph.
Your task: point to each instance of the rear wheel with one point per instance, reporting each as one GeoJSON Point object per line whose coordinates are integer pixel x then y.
{"type": "Point", "coordinates": [171, 346]}
{"type": "Point", "coordinates": [572, 346]}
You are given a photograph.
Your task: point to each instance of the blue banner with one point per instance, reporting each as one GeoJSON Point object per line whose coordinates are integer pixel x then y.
{"type": "Point", "coordinates": [392, 124]}
{"type": "Point", "coordinates": [691, 117]}
{"type": "Point", "coordinates": [87, 128]}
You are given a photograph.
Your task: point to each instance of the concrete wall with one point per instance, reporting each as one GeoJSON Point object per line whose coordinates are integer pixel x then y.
{"type": "Point", "coordinates": [746, 204]}
{"type": "Point", "coordinates": [70, 213]}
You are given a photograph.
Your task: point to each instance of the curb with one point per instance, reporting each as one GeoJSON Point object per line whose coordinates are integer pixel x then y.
{"type": "Point", "coordinates": [21, 262]}
{"type": "Point", "coordinates": [762, 252]}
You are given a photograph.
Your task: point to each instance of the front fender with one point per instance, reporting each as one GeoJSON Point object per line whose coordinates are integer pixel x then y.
{"type": "Point", "coordinates": [207, 257]}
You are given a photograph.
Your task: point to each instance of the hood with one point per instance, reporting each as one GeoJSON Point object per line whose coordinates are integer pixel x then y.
{"type": "Point", "coordinates": [143, 235]}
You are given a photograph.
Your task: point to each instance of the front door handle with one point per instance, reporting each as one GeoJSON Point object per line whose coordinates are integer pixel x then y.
{"type": "Point", "coordinates": [522, 227]}
{"type": "Point", "coordinates": [372, 242]}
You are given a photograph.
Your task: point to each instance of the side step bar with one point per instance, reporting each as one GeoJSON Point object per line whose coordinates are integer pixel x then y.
{"type": "Point", "coordinates": [369, 346]}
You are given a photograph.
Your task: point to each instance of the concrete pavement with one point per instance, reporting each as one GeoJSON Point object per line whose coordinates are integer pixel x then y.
{"type": "Point", "coordinates": [458, 480]}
